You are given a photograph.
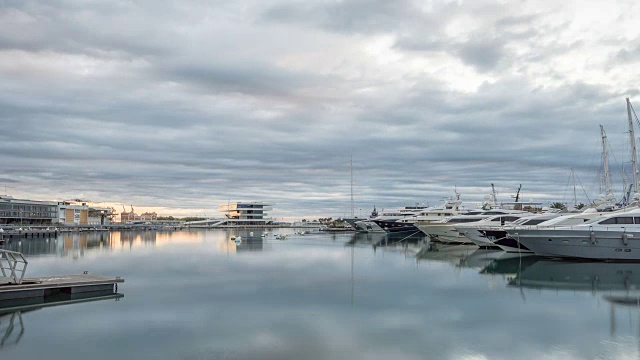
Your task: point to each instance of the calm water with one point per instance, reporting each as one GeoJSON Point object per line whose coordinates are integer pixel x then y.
{"type": "Point", "coordinates": [196, 295]}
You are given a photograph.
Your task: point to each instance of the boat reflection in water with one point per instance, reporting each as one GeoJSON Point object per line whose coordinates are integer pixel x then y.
{"type": "Point", "coordinates": [510, 264]}
{"type": "Point", "coordinates": [617, 278]}
{"type": "Point", "coordinates": [443, 252]}
{"type": "Point", "coordinates": [616, 283]}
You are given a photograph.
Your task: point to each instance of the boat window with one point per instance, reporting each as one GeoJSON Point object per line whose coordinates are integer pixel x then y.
{"type": "Point", "coordinates": [510, 218]}
{"type": "Point", "coordinates": [608, 221]}
{"type": "Point", "coordinates": [617, 220]}
{"type": "Point", "coordinates": [534, 221]}
{"type": "Point", "coordinates": [637, 219]}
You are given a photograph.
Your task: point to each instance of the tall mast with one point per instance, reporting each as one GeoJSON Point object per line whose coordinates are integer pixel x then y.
{"type": "Point", "coordinates": [605, 162]}
{"type": "Point", "coordinates": [634, 156]}
{"type": "Point", "coordinates": [493, 195]}
{"type": "Point", "coordinates": [575, 195]}
{"type": "Point", "coordinates": [351, 170]}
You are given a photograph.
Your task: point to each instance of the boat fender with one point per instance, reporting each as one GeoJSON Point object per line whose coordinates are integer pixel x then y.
{"type": "Point", "coordinates": [625, 238]}
{"type": "Point", "coordinates": [593, 238]}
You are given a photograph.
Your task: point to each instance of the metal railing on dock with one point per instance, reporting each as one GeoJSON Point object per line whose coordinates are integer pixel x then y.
{"type": "Point", "coordinates": [14, 264]}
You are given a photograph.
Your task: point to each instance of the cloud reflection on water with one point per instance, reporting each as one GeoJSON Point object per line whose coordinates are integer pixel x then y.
{"type": "Point", "coordinates": [300, 298]}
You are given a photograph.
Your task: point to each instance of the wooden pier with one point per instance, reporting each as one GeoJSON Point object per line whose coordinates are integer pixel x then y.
{"type": "Point", "coordinates": [43, 287]}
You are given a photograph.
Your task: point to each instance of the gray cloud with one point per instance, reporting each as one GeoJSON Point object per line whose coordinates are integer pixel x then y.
{"type": "Point", "coordinates": [186, 106]}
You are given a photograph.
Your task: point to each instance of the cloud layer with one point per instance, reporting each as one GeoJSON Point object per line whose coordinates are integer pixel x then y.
{"type": "Point", "coordinates": [185, 105]}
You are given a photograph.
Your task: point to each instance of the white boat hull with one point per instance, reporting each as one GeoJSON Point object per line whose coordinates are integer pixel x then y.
{"type": "Point", "coordinates": [584, 244]}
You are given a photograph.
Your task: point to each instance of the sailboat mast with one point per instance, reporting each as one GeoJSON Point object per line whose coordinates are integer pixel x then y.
{"type": "Point", "coordinates": [351, 170]}
{"type": "Point", "coordinates": [605, 161]}
{"type": "Point", "coordinates": [493, 195]}
{"type": "Point", "coordinates": [575, 195]}
{"type": "Point", "coordinates": [634, 156]}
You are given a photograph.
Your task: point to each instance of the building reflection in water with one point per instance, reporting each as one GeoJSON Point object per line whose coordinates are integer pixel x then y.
{"type": "Point", "coordinates": [67, 244]}
{"type": "Point", "coordinates": [242, 241]}
{"type": "Point", "coordinates": [76, 244]}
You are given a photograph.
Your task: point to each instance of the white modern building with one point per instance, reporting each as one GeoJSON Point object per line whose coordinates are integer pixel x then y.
{"type": "Point", "coordinates": [246, 213]}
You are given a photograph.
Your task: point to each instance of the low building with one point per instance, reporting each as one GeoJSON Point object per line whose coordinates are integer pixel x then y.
{"type": "Point", "coordinates": [70, 213]}
{"type": "Point", "coordinates": [35, 212]}
{"type": "Point", "coordinates": [128, 217]}
{"type": "Point", "coordinates": [21, 211]}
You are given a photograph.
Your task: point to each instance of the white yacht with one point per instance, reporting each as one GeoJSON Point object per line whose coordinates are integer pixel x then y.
{"type": "Point", "coordinates": [450, 207]}
{"type": "Point", "coordinates": [503, 240]}
{"type": "Point", "coordinates": [497, 236]}
{"type": "Point", "coordinates": [610, 237]}
{"type": "Point", "coordinates": [474, 231]}
{"type": "Point", "coordinates": [444, 231]}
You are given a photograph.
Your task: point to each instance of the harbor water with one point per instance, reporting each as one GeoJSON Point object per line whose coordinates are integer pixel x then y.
{"type": "Point", "coordinates": [201, 295]}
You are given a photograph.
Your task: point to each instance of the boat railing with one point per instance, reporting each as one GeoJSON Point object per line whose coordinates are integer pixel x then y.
{"type": "Point", "coordinates": [13, 265]}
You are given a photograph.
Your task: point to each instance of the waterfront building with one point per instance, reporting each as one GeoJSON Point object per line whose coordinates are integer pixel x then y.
{"type": "Point", "coordinates": [35, 212]}
{"type": "Point", "coordinates": [239, 214]}
{"type": "Point", "coordinates": [72, 213]}
{"type": "Point", "coordinates": [131, 216]}
{"type": "Point", "coordinates": [21, 211]}
{"type": "Point", "coordinates": [246, 213]}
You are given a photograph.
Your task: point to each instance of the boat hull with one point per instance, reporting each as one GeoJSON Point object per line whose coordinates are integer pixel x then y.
{"type": "Point", "coordinates": [618, 245]}
{"type": "Point", "coordinates": [393, 226]}
{"type": "Point", "coordinates": [501, 239]}
{"type": "Point", "coordinates": [444, 233]}
{"type": "Point", "coordinates": [477, 236]}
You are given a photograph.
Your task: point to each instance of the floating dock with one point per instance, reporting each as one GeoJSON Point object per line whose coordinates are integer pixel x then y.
{"type": "Point", "coordinates": [13, 284]}
{"type": "Point", "coordinates": [42, 287]}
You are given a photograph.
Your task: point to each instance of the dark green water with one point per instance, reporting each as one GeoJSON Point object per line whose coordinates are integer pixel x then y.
{"type": "Point", "coordinates": [198, 295]}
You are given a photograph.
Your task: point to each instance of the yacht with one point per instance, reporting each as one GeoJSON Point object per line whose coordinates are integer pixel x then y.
{"type": "Point", "coordinates": [444, 231]}
{"type": "Point", "coordinates": [497, 236]}
{"type": "Point", "coordinates": [450, 207]}
{"type": "Point", "coordinates": [373, 223]}
{"type": "Point", "coordinates": [474, 231]}
{"type": "Point", "coordinates": [611, 237]}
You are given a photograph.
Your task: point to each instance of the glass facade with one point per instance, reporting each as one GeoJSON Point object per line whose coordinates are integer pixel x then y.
{"type": "Point", "coordinates": [27, 212]}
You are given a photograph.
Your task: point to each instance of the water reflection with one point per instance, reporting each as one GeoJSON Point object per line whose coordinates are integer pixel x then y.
{"type": "Point", "coordinates": [454, 254]}
{"type": "Point", "coordinates": [243, 240]}
{"type": "Point", "coordinates": [581, 276]}
{"type": "Point", "coordinates": [324, 296]}
{"type": "Point", "coordinates": [12, 326]}
{"type": "Point", "coordinates": [509, 264]}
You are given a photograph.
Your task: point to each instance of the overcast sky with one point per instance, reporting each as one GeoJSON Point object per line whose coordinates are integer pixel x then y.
{"type": "Point", "coordinates": [179, 106]}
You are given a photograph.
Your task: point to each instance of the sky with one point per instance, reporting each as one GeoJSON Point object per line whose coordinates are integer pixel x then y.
{"type": "Point", "coordinates": [180, 106]}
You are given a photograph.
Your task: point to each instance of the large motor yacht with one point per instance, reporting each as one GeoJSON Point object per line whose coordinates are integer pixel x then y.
{"type": "Point", "coordinates": [373, 223]}
{"type": "Point", "coordinates": [474, 231]}
{"type": "Point", "coordinates": [445, 231]}
{"type": "Point", "coordinates": [610, 237]}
